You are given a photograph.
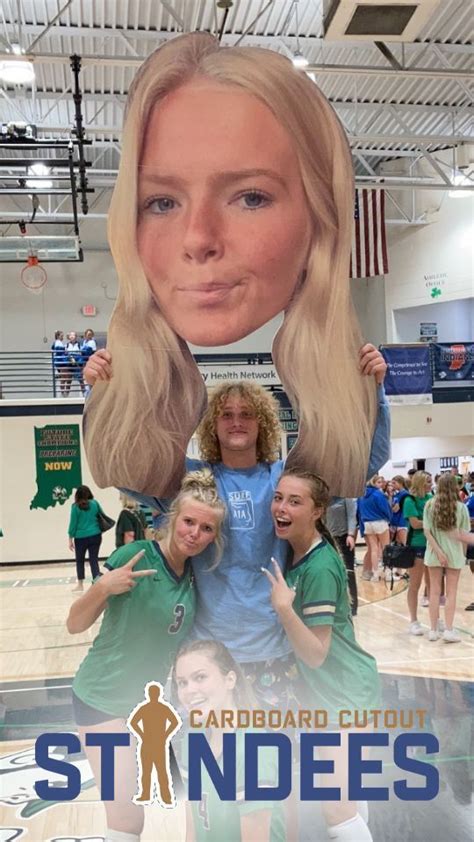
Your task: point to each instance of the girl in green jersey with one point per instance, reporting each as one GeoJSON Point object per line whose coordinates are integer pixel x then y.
{"type": "Point", "coordinates": [312, 603]}
{"type": "Point", "coordinates": [207, 679]}
{"type": "Point", "coordinates": [149, 602]}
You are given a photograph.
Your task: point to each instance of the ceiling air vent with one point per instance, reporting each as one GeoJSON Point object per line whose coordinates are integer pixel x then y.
{"type": "Point", "coordinates": [376, 20]}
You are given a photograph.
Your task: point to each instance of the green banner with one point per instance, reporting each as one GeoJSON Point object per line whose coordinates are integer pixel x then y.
{"type": "Point", "coordinates": [58, 464]}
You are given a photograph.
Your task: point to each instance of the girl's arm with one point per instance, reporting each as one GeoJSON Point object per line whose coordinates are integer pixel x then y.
{"type": "Point", "coordinates": [255, 827]}
{"type": "Point", "coordinates": [85, 610]}
{"type": "Point", "coordinates": [439, 553]}
{"type": "Point", "coordinates": [310, 645]}
{"type": "Point", "coordinates": [415, 523]}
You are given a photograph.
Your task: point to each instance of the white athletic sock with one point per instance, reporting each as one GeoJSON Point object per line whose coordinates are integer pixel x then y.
{"type": "Point", "coordinates": [120, 836]}
{"type": "Point", "coordinates": [363, 810]}
{"type": "Point", "coordinates": [353, 830]}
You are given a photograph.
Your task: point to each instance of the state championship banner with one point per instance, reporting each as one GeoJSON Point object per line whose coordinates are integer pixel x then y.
{"type": "Point", "coordinates": [408, 378]}
{"type": "Point", "coordinates": [58, 464]}
{"type": "Point", "coordinates": [453, 362]}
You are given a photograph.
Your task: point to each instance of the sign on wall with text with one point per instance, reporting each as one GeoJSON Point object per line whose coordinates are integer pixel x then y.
{"type": "Point", "coordinates": [453, 361]}
{"type": "Point", "coordinates": [58, 464]}
{"type": "Point", "coordinates": [408, 379]}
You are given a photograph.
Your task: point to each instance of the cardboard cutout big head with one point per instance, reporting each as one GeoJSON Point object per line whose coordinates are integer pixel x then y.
{"type": "Point", "coordinates": [233, 203]}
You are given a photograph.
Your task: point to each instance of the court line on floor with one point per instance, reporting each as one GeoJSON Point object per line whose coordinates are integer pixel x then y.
{"type": "Point", "coordinates": [428, 661]}
{"type": "Point", "coordinates": [403, 617]}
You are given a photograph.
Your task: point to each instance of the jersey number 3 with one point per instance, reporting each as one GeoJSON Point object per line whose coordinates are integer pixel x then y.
{"type": "Point", "coordinates": [179, 612]}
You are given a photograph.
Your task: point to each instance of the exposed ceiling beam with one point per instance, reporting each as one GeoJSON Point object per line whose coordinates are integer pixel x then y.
{"type": "Point", "coordinates": [339, 104]}
{"type": "Point", "coordinates": [323, 69]}
{"type": "Point", "coordinates": [396, 137]}
{"type": "Point", "coordinates": [310, 41]}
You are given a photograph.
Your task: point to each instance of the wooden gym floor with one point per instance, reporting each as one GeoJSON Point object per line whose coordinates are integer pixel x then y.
{"type": "Point", "coordinates": [39, 657]}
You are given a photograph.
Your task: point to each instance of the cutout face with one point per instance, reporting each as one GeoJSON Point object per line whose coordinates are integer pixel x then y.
{"type": "Point", "coordinates": [223, 228]}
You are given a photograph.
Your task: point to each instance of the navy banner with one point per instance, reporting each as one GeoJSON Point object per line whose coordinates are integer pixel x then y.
{"type": "Point", "coordinates": [408, 379]}
{"type": "Point", "coordinates": [453, 361]}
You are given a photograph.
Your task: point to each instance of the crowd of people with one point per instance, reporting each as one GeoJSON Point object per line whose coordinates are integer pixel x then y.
{"type": "Point", "coordinates": [70, 355]}
{"type": "Point", "coordinates": [420, 512]}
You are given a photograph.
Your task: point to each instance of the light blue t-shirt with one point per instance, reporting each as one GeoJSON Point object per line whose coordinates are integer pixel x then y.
{"type": "Point", "coordinates": [233, 601]}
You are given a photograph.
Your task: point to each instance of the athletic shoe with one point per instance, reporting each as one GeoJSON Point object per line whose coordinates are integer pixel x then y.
{"type": "Point", "coordinates": [442, 601]}
{"type": "Point", "coordinates": [77, 589]}
{"type": "Point", "coordinates": [451, 636]}
{"type": "Point", "coordinates": [367, 575]}
{"type": "Point", "coordinates": [375, 577]}
{"type": "Point", "coordinates": [424, 602]}
{"type": "Point", "coordinates": [469, 607]}
{"type": "Point", "coordinates": [415, 628]}
{"type": "Point", "coordinates": [433, 635]}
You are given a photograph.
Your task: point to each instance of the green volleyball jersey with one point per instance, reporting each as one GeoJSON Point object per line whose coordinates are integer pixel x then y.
{"type": "Point", "coordinates": [414, 507]}
{"type": "Point", "coordinates": [215, 820]}
{"type": "Point", "coordinates": [348, 678]}
{"type": "Point", "coordinates": [140, 633]}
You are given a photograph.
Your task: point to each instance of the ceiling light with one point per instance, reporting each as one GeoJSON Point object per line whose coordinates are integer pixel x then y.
{"type": "Point", "coordinates": [17, 72]}
{"type": "Point", "coordinates": [299, 60]}
{"type": "Point", "coordinates": [40, 170]}
{"type": "Point", "coordinates": [461, 180]}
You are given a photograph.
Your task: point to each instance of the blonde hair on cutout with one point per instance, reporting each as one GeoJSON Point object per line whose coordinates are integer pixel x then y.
{"type": "Point", "coordinates": [138, 425]}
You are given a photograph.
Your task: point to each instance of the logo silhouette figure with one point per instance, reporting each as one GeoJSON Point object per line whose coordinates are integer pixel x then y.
{"type": "Point", "coordinates": [154, 723]}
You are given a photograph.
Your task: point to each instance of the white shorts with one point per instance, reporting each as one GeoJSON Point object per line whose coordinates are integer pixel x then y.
{"type": "Point", "coordinates": [375, 527]}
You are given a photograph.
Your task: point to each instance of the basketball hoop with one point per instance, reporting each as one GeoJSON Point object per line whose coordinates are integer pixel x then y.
{"type": "Point", "coordinates": [33, 276]}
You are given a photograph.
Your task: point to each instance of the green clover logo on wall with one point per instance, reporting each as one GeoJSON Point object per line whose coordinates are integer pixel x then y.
{"type": "Point", "coordinates": [435, 292]}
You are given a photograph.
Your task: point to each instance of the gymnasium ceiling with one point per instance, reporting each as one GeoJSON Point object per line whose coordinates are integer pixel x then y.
{"type": "Point", "coordinates": [404, 102]}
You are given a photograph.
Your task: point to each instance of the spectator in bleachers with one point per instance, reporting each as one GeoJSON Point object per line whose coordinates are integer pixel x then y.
{"type": "Point", "coordinates": [74, 362]}
{"type": "Point", "coordinates": [60, 360]}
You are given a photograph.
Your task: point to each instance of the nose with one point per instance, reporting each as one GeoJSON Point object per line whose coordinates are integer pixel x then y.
{"type": "Point", "coordinates": [203, 235]}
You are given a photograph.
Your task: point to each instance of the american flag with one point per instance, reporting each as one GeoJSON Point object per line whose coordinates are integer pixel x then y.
{"type": "Point", "coordinates": [369, 242]}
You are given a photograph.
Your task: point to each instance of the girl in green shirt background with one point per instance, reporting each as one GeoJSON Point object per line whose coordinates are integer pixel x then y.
{"type": "Point", "coordinates": [85, 535]}
{"type": "Point", "coordinates": [420, 492]}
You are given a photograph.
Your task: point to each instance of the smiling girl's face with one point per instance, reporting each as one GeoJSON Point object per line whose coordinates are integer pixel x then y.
{"type": "Point", "coordinates": [201, 684]}
{"type": "Point", "coordinates": [223, 228]}
{"type": "Point", "coordinates": [294, 511]}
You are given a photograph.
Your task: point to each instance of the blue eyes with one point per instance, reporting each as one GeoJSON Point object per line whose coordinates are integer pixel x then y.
{"type": "Point", "coordinates": [253, 200]}
{"type": "Point", "coordinates": [249, 200]}
{"type": "Point", "coordinates": [161, 205]}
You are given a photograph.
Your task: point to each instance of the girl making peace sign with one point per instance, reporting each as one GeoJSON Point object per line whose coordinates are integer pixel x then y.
{"type": "Point", "coordinates": [313, 606]}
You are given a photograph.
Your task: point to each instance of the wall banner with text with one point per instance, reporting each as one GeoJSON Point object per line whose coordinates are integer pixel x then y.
{"type": "Point", "coordinates": [58, 464]}
{"type": "Point", "coordinates": [408, 379]}
{"type": "Point", "coordinates": [453, 361]}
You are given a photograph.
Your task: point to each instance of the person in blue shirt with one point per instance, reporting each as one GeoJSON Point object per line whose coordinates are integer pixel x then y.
{"type": "Point", "coordinates": [239, 439]}
{"type": "Point", "coordinates": [375, 513]}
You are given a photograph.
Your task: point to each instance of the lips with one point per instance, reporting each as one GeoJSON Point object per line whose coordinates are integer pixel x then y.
{"type": "Point", "coordinates": [209, 293]}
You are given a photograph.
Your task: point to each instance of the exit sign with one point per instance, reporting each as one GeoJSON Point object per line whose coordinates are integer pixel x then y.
{"type": "Point", "coordinates": [89, 310]}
